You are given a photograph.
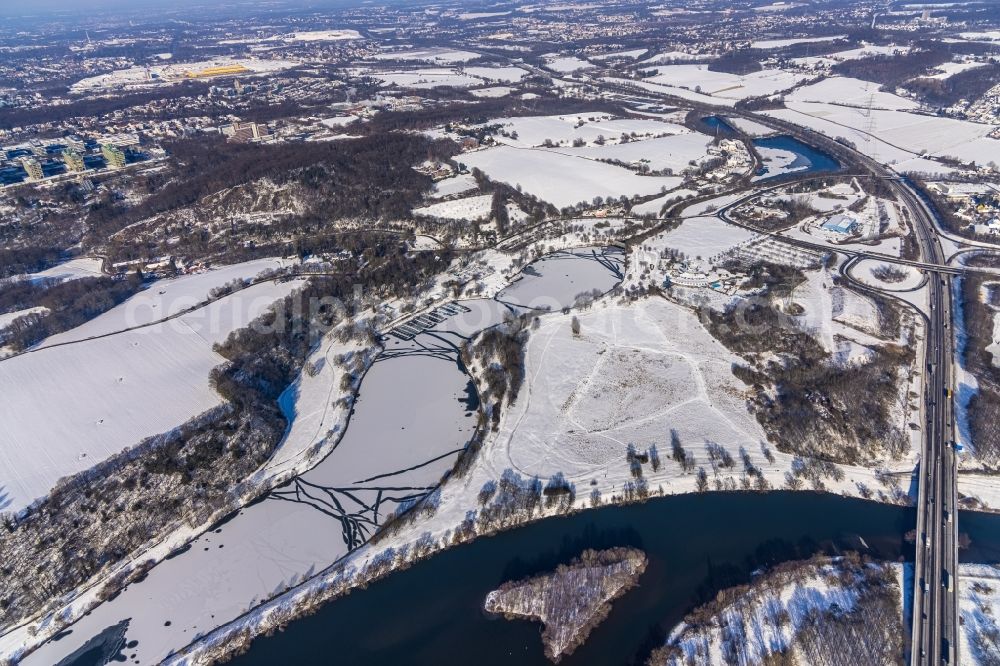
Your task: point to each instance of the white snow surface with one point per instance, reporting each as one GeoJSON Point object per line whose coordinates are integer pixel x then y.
{"type": "Point", "coordinates": [670, 152]}
{"type": "Point", "coordinates": [852, 92]}
{"type": "Point", "coordinates": [631, 55]}
{"type": "Point", "coordinates": [469, 208]}
{"type": "Point", "coordinates": [8, 317]}
{"type": "Point", "coordinates": [67, 408]}
{"type": "Point", "coordinates": [498, 74]}
{"type": "Point", "coordinates": [979, 609]}
{"type": "Point", "coordinates": [565, 64]}
{"type": "Point", "coordinates": [563, 180]}
{"type": "Point", "coordinates": [699, 78]}
{"type": "Point", "coordinates": [427, 78]}
{"type": "Point", "coordinates": [492, 92]}
{"type": "Point", "coordinates": [632, 374]}
{"type": "Point", "coordinates": [704, 238]}
{"type": "Point", "coordinates": [443, 56]}
{"type": "Point", "coordinates": [169, 297]}
{"type": "Point", "coordinates": [73, 269]}
{"type": "Point", "coordinates": [455, 185]}
{"type": "Point", "coordinates": [533, 131]}
{"type": "Point", "coordinates": [780, 43]}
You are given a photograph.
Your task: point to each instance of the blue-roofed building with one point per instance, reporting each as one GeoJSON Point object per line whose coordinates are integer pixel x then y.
{"type": "Point", "coordinates": [841, 224]}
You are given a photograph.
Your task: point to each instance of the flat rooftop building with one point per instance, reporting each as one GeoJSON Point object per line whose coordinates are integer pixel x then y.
{"type": "Point", "coordinates": [841, 224]}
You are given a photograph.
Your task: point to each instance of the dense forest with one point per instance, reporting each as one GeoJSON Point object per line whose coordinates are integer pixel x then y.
{"type": "Point", "coordinates": [984, 406]}
{"type": "Point", "coordinates": [808, 404]}
{"type": "Point", "coordinates": [18, 261]}
{"type": "Point", "coordinates": [969, 85]}
{"type": "Point", "coordinates": [911, 71]}
{"type": "Point", "coordinates": [892, 71]}
{"type": "Point", "coordinates": [368, 178]}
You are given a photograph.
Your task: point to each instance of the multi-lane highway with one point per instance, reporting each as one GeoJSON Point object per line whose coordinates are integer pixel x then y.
{"type": "Point", "coordinates": [935, 600]}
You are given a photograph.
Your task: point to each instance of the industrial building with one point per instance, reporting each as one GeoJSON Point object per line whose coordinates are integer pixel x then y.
{"type": "Point", "coordinates": [842, 224]}
{"type": "Point", "coordinates": [222, 70]}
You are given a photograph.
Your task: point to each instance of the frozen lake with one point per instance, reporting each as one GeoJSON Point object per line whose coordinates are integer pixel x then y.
{"type": "Point", "coordinates": [415, 412]}
{"type": "Point", "coordinates": [556, 280]}
{"type": "Point", "coordinates": [785, 154]}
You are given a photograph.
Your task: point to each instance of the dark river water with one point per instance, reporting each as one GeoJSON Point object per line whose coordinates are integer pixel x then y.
{"type": "Point", "coordinates": [696, 544]}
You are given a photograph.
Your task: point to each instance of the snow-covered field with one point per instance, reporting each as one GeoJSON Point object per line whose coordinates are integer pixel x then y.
{"type": "Point", "coordinates": [781, 43]}
{"type": "Point", "coordinates": [700, 79]}
{"type": "Point", "coordinates": [666, 57]}
{"type": "Point", "coordinates": [67, 408]}
{"type": "Point", "coordinates": [702, 239]}
{"type": "Point", "coordinates": [565, 64]}
{"type": "Point", "coordinates": [852, 92]}
{"type": "Point", "coordinates": [949, 69]}
{"type": "Point", "coordinates": [427, 78]}
{"type": "Point", "coordinates": [825, 61]}
{"type": "Point", "coordinates": [979, 609]}
{"type": "Point", "coordinates": [841, 320]}
{"type": "Point", "coordinates": [497, 74]}
{"type": "Point", "coordinates": [683, 93]}
{"type": "Point", "coordinates": [984, 36]}
{"type": "Point", "coordinates": [440, 56]}
{"type": "Point", "coordinates": [671, 152]}
{"type": "Point", "coordinates": [869, 50]}
{"type": "Point", "coordinates": [563, 180]}
{"type": "Point", "coordinates": [8, 317]}
{"type": "Point", "coordinates": [632, 375]}
{"type": "Point", "coordinates": [338, 121]}
{"type": "Point", "coordinates": [533, 131]}
{"type": "Point", "coordinates": [166, 298]}
{"type": "Point", "coordinates": [454, 185]}
{"type": "Point", "coordinates": [492, 92]}
{"type": "Point", "coordinates": [469, 208]}
{"type": "Point", "coordinates": [74, 268]}
{"type": "Point", "coordinates": [321, 36]}
{"type": "Point", "coordinates": [631, 55]}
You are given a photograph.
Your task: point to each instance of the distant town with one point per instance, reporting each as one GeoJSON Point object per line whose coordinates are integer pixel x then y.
{"type": "Point", "coordinates": [692, 307]}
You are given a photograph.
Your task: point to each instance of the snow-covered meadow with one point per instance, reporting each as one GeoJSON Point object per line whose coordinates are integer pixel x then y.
{"type": "Point", "coordinates": [80, 267]}
{"type": "Point", "coordinates": [560, 179]}
{"type": "Point", "coordinates": [700, 79]}
{"type": "Point", "coordinates": [434, 55]}
{"type": "Point", "coordinates": [107, 386]}
{"type": "Point", "coordinates": [563, 130]}
{"type": "Point", "coordinates": [468, 208]}
{"type": "Point", "coordinates": [675, 152]}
